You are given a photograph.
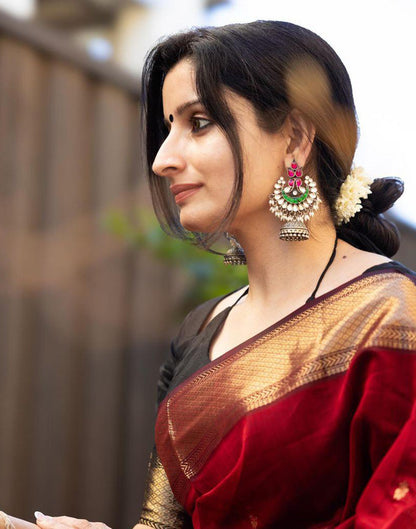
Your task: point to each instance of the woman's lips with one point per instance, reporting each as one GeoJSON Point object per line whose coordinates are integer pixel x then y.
{"type": "Point", "coordinates": [183, 191]}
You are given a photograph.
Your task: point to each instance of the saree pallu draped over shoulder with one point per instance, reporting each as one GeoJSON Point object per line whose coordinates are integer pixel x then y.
{"type": "Point", "coordinates": [310, 424]}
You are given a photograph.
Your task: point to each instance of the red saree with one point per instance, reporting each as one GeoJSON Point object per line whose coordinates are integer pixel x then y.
{"type": "Point", "coordinates": [310, 424]}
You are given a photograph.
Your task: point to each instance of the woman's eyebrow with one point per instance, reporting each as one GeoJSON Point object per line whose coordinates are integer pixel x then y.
{"type": "Point", "coordinates": [181, 108]}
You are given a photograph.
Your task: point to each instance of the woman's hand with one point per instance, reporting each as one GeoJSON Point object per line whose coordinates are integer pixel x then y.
{"type": "Point", "coordinates": [66, 522]}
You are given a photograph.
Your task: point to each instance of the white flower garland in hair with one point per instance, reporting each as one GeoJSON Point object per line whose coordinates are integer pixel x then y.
{"type": "Point", "coordinates": [355, 187]}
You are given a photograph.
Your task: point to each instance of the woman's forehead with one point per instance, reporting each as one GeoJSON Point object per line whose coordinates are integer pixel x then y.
{"type": "Point", "coordinates": [179, 84]}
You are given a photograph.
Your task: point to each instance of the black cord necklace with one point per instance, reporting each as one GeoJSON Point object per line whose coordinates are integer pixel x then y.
{"type": "Point", "coordinates": [331, 260]}
{"type": "Point", "coordinates": [312, 296]}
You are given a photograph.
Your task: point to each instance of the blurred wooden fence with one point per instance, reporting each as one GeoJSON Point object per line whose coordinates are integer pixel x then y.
{"type": "Point", "coordinates": [84, 320]}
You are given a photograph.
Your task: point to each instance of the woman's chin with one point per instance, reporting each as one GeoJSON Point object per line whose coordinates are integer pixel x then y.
{"type": "Point", "coordinates": [197, 223]}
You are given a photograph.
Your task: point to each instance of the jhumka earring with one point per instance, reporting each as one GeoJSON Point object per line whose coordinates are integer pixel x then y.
{"type": "Point", "coordinates": [295, 202]}
{"type": "Point", "coordinates": [235, 255]}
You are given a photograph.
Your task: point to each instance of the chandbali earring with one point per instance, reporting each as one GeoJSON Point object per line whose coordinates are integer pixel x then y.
{"type": "Point", "coordinates": [294, 202]}
{"type": "Point", "coordinates": [235, 255]}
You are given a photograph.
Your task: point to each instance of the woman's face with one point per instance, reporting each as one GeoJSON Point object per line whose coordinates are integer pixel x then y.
{"type": "Point", "coordinates": [197, 159]}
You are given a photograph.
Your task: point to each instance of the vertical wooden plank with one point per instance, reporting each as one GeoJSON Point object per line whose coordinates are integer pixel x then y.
{"type": "Point", "coordinates": [21, 119]}
{"type": "Point", "coordinates": [104, 417]}
{"type": "Point", "coordinates": [7, 369]}
{"type": "Point", "coordinates": [60, 380]}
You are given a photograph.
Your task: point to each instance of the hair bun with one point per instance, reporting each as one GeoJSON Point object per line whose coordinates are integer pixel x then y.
{"type": "Point", "coordinates": [384, 193]}
{"type": "Point", "coordinates": [369, 230]}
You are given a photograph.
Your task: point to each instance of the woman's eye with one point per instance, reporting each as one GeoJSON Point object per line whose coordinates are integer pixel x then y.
{"type": "Point", "coordinates": [199, 124]}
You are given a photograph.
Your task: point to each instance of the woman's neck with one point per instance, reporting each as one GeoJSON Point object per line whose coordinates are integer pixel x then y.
{"type": "Point", "coordinates": [280, 269]}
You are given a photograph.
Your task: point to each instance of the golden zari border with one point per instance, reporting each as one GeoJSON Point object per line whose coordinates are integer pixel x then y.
{"type": "Point", "coordinates": [376, 311]}
{"type": "Point", "coordinates": [160, 508]}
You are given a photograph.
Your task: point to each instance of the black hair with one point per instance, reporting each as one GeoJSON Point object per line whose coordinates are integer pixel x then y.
{"type": "Point", "coordinates": [277, 66]}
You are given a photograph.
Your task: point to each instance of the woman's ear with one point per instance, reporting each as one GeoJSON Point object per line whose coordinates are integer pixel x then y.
{"type": "Point", "coordinates": [301, 133]}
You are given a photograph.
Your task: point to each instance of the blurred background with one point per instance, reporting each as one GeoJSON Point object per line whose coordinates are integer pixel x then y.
{"type": "Point", "coordinates": [90, 290]}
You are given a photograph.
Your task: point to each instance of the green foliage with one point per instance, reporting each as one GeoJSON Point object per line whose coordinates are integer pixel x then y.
{"type": "Point", "coordinates": [208, 277]}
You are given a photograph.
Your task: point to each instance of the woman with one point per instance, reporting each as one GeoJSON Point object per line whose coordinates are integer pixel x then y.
{"type": "Point", "coordinates": [291, 403]}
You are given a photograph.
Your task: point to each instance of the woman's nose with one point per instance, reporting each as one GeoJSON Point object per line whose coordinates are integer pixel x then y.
{"type": "Point", "coordinates": [169, 159]}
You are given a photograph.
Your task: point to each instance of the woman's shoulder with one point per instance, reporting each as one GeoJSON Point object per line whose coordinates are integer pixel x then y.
{"type": "Point", "coordinates": [395, 284]}
{"type": "Point", "coordinates": [394, 266]}
{"type": "Point", "coordinates": [389, 296]}
{"type": "Point", "coordinates": [383, 308]}
{"type": "Point", "coordinates": [354, 262]}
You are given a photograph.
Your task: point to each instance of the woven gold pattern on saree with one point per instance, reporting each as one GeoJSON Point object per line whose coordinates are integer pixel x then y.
{"type": "Point", "coordinates": [160, 508]}
{"type": "Point", "coordinates": [317, 342]}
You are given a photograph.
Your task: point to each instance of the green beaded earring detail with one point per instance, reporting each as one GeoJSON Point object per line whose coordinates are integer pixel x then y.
{"type": "Point", "coordinates": [294, 202]}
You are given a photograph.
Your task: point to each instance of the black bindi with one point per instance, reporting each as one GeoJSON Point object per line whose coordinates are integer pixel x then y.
{"type": "Point", "coordinates": [171, 118]}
